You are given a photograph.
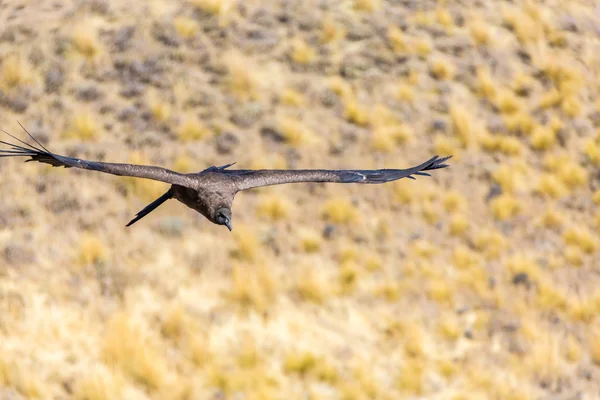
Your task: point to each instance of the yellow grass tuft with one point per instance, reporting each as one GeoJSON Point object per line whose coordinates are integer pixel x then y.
{"type": "Point", "coordinates": [491, 243]}
{"type": "Point", "coordinates": [99, 383]}
{"type": "Point", "coordinates": [184, 164]}
{"type": "Point", "coordinates": [594, 345]}
{"type": "Point", "coordinates": [447, 145]}
{"type": "Point", "coordinates": [550, 99]}
{"type": "Point", "coordinates": [247, 243]}
{"type": "Point", "coordinates": [254, 287]}
{"type": "Point", "coordinates": [174, 322]}
{"type": "Point", "coordinates": [463, 258]}
{"type": "Point", "coordinates": [92, 251]}
{"type": "Point", "coordinates": [519, 123]}
{"type": "Point", "coordinates": [312, 286]}
{"type": "Point", "coordinates": [480, 32]}
{"type": "Point", "coordinates": [302, 53]}
{"type": "Point", "coordinates": [348, 278]}
{"type": "Point", "coordinates": [550, 185]}
{"type": "Point", "coordinates": [573, 174]}
{"type": "Point", "coordinates": [422, 46]}
{"type": "Point", "coordinates": [366, 5]}
{"type": "Point", "coordinates": [403, 194]}
{"type": "Point", "coordinates": [430, 213]}
{"type": "Point", "coordinates": [525, 28]}
{"type": "Point", "coordinates": [507, 102]}
{"type": "Point", "coordinates": [330, 31]}
{"type": "Point", "coordinates": [302, 363]}
{"type": "Point", "coordinates": [13, 373]}
{"type": "Point", "coordinates": [454, 201]}
{"type": "Point", "coordinates": [582, 238]}
{"type": "Point", "coordinates": [572, 106]}
{"type": "Point", "coordinates": [592, 151]}
{"type": "Point", "coordinates": [523, 264]}
{"type": "Point", "coordinates": [406, 93]}
{"type": "Point", "coordinates": [85, 41]}
{"type": "Point", "coordinates": [83, 126]}
{"type": "Point", "coordinates": [582, 309]}
{"type": "Point", "coordinates": [356, 113]}
{"type": "Point", "coordinates": [310, 241]}
{"type": "Point", "coordinates": [397, 40]}
{"type": "Point", "coordinates": [15, 71]}
{"type": "Point", "coordinates": [185, 27]}
{"type": "Point", "coordinates": [413, 338]}
{"type": "Point", "coordinates": [486, 86]}
{"type": "Point", "coordinates": [463, 124]}
{"type": "Point", "coordinates": [543, 138]}
{"type": "Point", "coordinates": [505, 207]}
{"type": "Point", "coordinates": [340, 211]}
{"type": "Point", "coordinates": [395, 134]}
{"type": "Point", "coordinates": [340, 87]}
{"type": "Point", "coordinates": [441, 291]}
{"type": "Point", "coordinates": [448, 369]}
{"type": "Point", "coordinates": [274, 207]}
{"type": "Point", "coordinates": [197, 349]}
{"type": "Point", "coordinates": [449, 326]}
{"type": "Point", "coordinates": [291, 97]}
{"type": "Point", "coordinates": [596, 197]}
{"type": "Point", "coordinates": [215, 7]}
{"type": "Point", "coordinates": [423, 249]}
{"type": "Point", "coordinates": [126, 348]}
{"type": "Point", "coordinates": [549, 297]}
{"type": "Point", "coordinates": [243, 78]}
{"type": "Point", "coordinates": [572, 350]}
{"type": "Point", "coordinates": [192, 129]}
{"type": "Point", "coordinates": [442, 69]}
{"type": "Point", "coordinates": [160, 109]}
{"type": "Point", "coordinates": [389, 291]}
{"type": "Point", "coordinates": [458, 225]}
{"type": "Point", "coordinates": [411, 379]}
{"type": "Point", "coordinates": [294, 131]}
{"type": "Point", "coordinates": [552, 218]}
{"type": "Point", "coordinates": [444, 17]}
{"type": "Point", "coordinates": [511, 177]}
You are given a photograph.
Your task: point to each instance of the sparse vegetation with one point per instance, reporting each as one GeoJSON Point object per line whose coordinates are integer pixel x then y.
{"type": "Point", "coordinates": [15, 71]}
{"type": "Point", "coordinates": [480, 282]}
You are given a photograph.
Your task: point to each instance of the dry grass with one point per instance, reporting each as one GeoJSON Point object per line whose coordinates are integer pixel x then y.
{"type": "Point", "coordinates": [185, 27]}
{"type": "Point", "coordinates": [192, 129]}
{"type": "Point", "coordinates": [126, 349]}
{"type": "Point", "coordinates": [85, 41]}
{"type": "Point", "coordinates": [477, 283]}
{"type": "Point", "coordinates": [15, 71]}
{"type": "Point", "coordinates": [83, 126]}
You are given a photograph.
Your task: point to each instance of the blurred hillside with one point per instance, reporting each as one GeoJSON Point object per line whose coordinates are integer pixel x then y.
{"type": "Point", "coordinates": [480, 282]}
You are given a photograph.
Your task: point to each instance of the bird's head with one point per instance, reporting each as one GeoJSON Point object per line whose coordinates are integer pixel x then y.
{"type": "Point", "coordinates": [223, 217]}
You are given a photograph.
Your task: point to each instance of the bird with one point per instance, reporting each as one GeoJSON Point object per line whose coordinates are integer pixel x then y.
{"type": "Point", "coordinates": [211, 191]}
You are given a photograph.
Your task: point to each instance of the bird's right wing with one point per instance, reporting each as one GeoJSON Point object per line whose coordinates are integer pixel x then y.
{"type": "Point", "coordinates": [43, 155]}
{"type": "Point", "coordinates": [247, 179]}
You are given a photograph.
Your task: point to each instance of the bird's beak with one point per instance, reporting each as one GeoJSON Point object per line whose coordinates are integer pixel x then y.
{"type": "Point", "coordinates": [228, 224]}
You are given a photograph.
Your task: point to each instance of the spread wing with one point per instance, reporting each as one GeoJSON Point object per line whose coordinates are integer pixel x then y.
{"type": "Point", "coordinates": [43, 155]}
{"type": "Point", "coordinates": [246, 179]}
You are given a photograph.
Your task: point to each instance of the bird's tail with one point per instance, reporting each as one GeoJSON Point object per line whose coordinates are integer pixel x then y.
{"type": "Point", "coordinates": [151, 207]}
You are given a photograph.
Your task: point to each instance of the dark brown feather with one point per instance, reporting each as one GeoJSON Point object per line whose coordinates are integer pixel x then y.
{"type": "Point", "coordinates": [138, 171]}
{"type": "Point", "coordinates": [246, 179]}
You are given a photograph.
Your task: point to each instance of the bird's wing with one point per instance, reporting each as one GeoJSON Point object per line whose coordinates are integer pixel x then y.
{"type": "Point", "coordinates": [43, 155]}
{"type": "Point", "coordinates": [246, 179]}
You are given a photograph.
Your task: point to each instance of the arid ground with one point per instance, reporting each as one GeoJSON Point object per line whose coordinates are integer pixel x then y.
{"type": "Point", "coordinates": [481, 282]}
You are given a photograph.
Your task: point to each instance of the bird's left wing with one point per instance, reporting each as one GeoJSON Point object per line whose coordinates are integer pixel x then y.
{"type": "Point", "coordinates": [246, 179]}
{"type": "Point", "coordinates": [43, 155]}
